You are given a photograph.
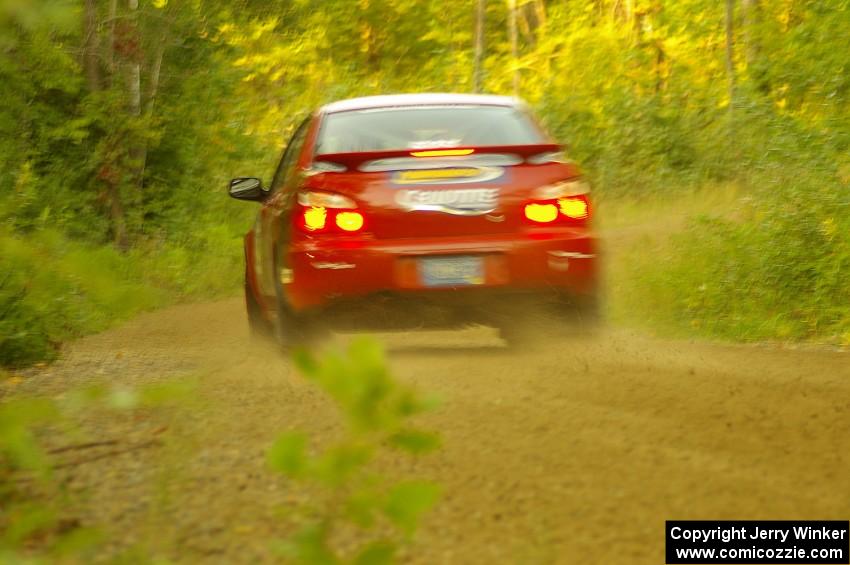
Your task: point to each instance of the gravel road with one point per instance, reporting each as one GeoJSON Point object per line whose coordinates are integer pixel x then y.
{"type": "Point", "coordinates": [571, 452]}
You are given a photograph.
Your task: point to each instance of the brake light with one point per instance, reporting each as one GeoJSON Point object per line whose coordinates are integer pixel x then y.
{"type": "Point", "coordinates": [541, 213]}
{"type": "Point", "coordinates": [573, 210]}
{"type": "Point", "coordinates": [574, 207]}
{"type": "Point", "coordinates": [349, 221]}
{"type": "Point", "coordinates": [324, 212]}
{"type": "Point", "coordinates": [315, 218]}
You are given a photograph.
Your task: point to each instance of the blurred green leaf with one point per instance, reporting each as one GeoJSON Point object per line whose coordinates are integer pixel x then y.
{"type": "Point", "coordinates": [361, 507]}
{"type": "Point", "coordinates": [18, 445]}
{"type": "Point", "coordinates": [171, 391]}
{"type": "Point", "coordinates": [375, 408]}
{"type": "Point", "coordinates": [409, 403]}
{"type": "Point", "coordinates": [415, 441]}
{"type": "Point", "coordinates": [376, 553]}
{"type": "Point", "coordinates": [339, 463]}
{"type": "Point", "coordinates": [305, 362]}
{"type": "Point", "coordinates": [406, 502]}
{"type": "Point", "coordinates": [124, 398]}
{"type": "Point", "coordinates": [288, 454]}
{"type": "Point", "coordinates": [78, 541]}
{"type": "Point", "coordinates": [309, 547]}
{"type": "Point", "coordinates": [26, 519]}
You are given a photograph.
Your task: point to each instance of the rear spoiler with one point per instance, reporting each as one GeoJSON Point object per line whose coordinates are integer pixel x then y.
{"type": "Point", "coordinates": [353, 161]}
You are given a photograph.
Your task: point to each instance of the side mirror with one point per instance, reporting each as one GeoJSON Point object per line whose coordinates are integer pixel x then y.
{"type": "Point", "coordinates": [247, 188]}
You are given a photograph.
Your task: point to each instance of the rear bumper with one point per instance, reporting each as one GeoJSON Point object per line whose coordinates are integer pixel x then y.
{"type": "Point", "coordinates": [322, 272]}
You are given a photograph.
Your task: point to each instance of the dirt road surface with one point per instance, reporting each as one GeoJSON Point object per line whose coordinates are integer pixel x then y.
{"type": "Point", "coordinates": [573, 452]}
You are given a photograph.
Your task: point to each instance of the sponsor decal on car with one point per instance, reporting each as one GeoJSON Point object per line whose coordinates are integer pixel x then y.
{"type": "Point", "coordinates": [458, 201]}
{"type": "Point", "coordinates": [450, 175]}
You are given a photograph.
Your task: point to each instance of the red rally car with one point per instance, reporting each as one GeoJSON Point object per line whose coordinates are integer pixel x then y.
{"type": "Point", "coordinates": [418, 210]}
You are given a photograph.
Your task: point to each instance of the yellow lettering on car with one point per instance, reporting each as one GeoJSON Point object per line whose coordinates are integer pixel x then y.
{"type": "Point", "coordinates": [451, 175]}
{"type": "Point", "coordinates": [404, 177]}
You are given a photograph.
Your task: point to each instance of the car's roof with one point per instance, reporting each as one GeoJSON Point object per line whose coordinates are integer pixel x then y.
{"type": "Point", "coordinates": [436, 99]}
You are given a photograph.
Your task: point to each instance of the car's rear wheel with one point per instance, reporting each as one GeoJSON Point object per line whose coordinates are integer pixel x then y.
{"type": "Point", "coordinates": [258, 325]}
{"type": "Point", "coordinates": [291, 329]}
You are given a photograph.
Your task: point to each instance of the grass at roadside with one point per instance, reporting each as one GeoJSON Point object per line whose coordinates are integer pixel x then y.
{"type": "Point", "coordinates": [732, 263]}
{"type": "Point", "coordinates": [53, 289]}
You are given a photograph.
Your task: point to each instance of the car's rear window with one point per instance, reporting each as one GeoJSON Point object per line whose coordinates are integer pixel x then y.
{"type": "Point", "coordinates": [422, 127]}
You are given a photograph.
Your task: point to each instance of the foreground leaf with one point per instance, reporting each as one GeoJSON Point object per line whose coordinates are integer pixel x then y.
{"type": "Point", "coordinates": [288, 454]}
{"type": "Point", "coordinates": [407, 502]}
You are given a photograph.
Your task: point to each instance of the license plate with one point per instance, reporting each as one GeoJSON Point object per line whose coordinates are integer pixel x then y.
{"type": "Point", "coordinates": [451, 271]}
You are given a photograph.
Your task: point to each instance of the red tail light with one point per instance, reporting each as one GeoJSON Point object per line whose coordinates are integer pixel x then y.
{"type": "Point", "coordinates": [541, 212]}
{"type": "Point", "coordinates": [557, 204]}
{"type": "Point", "coordinates": [568, 210]}
{"type": "Point", "coordinates": [324, 212]}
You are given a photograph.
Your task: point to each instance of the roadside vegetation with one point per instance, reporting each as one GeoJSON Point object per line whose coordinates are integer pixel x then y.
{"type": "Point", "coordinates": [122, 121]}
{"type": "Point", "coordinates": [42, 440]}
{"type": "Point", "coordinates": [355, 513]}
{"type": "Point", "coordinates": [54, 288]}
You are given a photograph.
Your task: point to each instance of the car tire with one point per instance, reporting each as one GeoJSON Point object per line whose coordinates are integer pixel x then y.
{"type": "Point", "coordinates": [258, 325]}
{"type": "Point", "coordinates": [288, 329]}
{"type": "Point", "coordinates": [292, 330]}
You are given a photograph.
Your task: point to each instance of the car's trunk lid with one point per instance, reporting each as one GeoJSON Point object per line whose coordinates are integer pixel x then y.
{"type": "Point", "coordinates": [442, 192]}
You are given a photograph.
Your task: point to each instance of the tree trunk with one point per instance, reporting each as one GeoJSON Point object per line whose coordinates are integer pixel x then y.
{"type": "Point", "coordinates": [109, 173]}
{"type": "Point", "coordinates": [90, 46]}
{"type": "Point", "coordinates": [531, 16]}
{"type": "Point", "coordinates": [512, 33]}
{"type": "Point", "coordinates": [730, 50]}
{"type": "Point", "coordinates": [153, 87]}
{"type": "Point", "coordinates": [133, 79]}
{"type": "Point", "coordinates": [628, 9]}
{"type": "Point", "coordinates": [540, 10]}
{"type": "Point", "coordinates": [655, 42]}
{"type": "Point", "coordinates": [477, 70]}
{"type": "Point", "coordinates": [156, 68]}
{"type": "Point", "coordinates": [110, 53]}
{"type": "Point", "coordinates": [116, 215]}
{"type": "Point", "coordinates": [660, 62]}
{"type": "Point", "coordinates": [134, 66]}
{"type": "Point", "coordinates": [752, 12]}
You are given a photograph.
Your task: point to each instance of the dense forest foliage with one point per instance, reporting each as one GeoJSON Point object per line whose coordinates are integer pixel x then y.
{"type": "Point", "coordinates": [122, 119]}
